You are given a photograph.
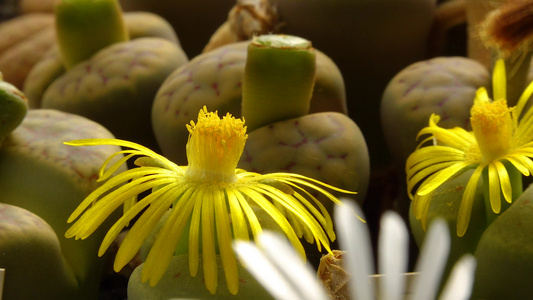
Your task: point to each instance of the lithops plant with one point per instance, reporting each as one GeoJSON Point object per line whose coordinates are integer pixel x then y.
{"type": "Point", "coordinates": [31, 252]}
{"type": "Point", "coordinates": [41, 181]}
{"type": "Point", "coordinates": [26, 40]}
{"type": "Point", "coordinates": [50, 66]}
{"type": "Point", "coordinates": [215, 79]}
{"type": "Point", "coordinates": [48, 179]}
{"type": "Point", "coordinates": [505, 254]}
{"type": "Point", "coordinates": [145, 24]}
{"type": "Point", "coordinates": [13, 108]}
{"type": "Point", "coordinates": [42, 74]}
{"type": "Point", "coordinates": [177, 284]}
{"type": "Point", "coordinates": [85, 27]}
{"type": "Point", "coordinates": [444, 85]}
{"type": "Point", "coordinates": [23, 41]}
{"type": "Point", "coordinates": [20, 28]}
{"type": "Point", "coordinates": [114, 86]}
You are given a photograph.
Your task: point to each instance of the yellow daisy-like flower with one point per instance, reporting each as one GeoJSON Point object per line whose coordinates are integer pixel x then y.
{"type": "Point", "coordinates": [501, 137]}
{"type": "Point", "coordinates": [210, 194]}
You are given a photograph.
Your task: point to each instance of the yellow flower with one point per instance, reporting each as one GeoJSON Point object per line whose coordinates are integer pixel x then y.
{"type": "Point", "coordinates": [501, 137]}
{"type": "Point", "coordinates": [210, 193]}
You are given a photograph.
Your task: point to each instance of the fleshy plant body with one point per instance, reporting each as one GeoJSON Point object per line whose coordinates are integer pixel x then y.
{"type": "Point", "coordinates": [85, 26]}
{"type": "Point", "coordinates": [210, 193]}
{"type": "Point", "coordinates": [13, 108]}
{"type": "Point", "coordinates": [42, 182]}
{"type": "Point", "coordinates": [108, 78]}
{"type": "Point", "coordinates": [278, 79]}
{"type": "Point", "coordinates": [500, 147]}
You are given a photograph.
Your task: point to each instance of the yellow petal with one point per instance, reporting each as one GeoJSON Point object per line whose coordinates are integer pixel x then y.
{"type": "Point", "coordinates": [442, 177]}
{"type": "Point", "coordinates": [412, 181]}
{"type": "Point", "coordinates": [499, 80]}
{"type": "Point", "coordinates": [309, 182]}
{"type": "Point", "coordinates": [463, 219]}
{"type": "Point", "coordinates": [298, 226]}
{"type": "Point", "coordinates": [229, 262]}
{"type": "Point", "coordinates": [194, 232]}
{"type": "Point", "coordinates": [283, 197]}
{"type": "Point", "coordinates": [249, 213]}
{"type": "Point", "coordinates": [504, 181]}
{"type": "Point", "coordinates": [430, 140]}
{"type": "Point", "coordinates": [524, 151]}
{"type": "Point", "coordinates": [481, 96]}
{"type": "Point", "coordinates": [122, 143]}
{"type": "Point", "coordinates": [104, 174]}
{"type": "Point", "coordinates": [467, 136]}
{"type": "Point", "coordinates": [448, 137]}
{"type": "Point", "coordinates": [116, 198]}
{"type": "Point", "coordinates": [434, 160]}
{"type": "Point", "coordinates": [494, 189]}
{"type": "Point", "coordinates": [168, 237]}
{"type": "Point", "coordinates": [425, 209]}
{"type": "Point", "coordinates": [240, 229]}
{"type": "Point", "coordinates": [521, 163]}
{"type": "Point", "coordinates": [430, 152]}
{"type": "Point", "coordinates": [111, 184]}
{"type": "Point", "coordinates": [415, 196]}
{"type": "Point", "coordinates": [269, 208]}
{"type": "Point", "coordinates": [323, 216]}
{"type": "Point", "coordinates": [143, 227]}
{"type": "Point", "coordinates": [522, 101]}
{"type": "Point", "coordinates": [208, 242]}
{"type": "Point", "coordinates": [524, 131]}
{"type": "Point", "coordinates": [421, 208]}
{"type": "Point", "coordinates": [99, 212]}
{"type": "Point", "coordinates": [297, 209]}
{"type": "Point", "coordinates": [115, 230]}
{"type": "Point", "coordinates": [128, 204]}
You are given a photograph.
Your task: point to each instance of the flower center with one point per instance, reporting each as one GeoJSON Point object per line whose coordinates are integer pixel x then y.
{"type": "Point", "coordinates": [492, 126]}
{"type": "Point", "coordinates": [214, 148]}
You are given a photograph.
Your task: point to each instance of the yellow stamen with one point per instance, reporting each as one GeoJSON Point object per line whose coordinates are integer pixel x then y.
{"type": "Point", "coordinates": [492, 125]}
{"type": "Point", "coordinates": [214, 148]}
